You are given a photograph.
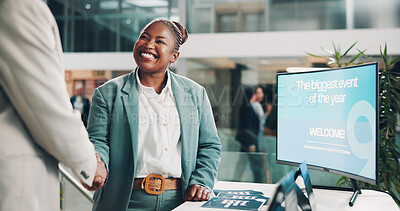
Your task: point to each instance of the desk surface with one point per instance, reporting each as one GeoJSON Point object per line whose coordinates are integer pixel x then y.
{"type": "Point", "coordinates": [325, 199]}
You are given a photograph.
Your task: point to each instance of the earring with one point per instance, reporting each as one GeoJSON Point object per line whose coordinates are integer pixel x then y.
{"type": "Point", "coordinates": [172, 66]}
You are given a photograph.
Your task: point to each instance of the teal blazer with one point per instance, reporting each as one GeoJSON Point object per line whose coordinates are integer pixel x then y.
{"type": "Point", "coordinates": [113, 129]}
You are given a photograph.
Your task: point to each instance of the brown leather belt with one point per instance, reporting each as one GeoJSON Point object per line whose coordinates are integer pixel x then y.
{"type": "Point", "coordinates": [156, 184]}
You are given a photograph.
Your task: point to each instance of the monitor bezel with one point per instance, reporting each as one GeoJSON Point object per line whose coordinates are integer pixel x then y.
{"type": "Point", "coordinates": [327, 169]}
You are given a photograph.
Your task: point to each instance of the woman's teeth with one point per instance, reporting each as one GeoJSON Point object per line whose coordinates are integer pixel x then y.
{"type": "Point", "coordinates": [148, 55]}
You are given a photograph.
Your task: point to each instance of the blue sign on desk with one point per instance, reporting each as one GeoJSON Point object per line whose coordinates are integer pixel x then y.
{"type": "Point", "coordinates": [234, 204]}
{"type": "Point", "coordinates": [237, 196]}
{"type": "Point", "coordinates": [238, 192]}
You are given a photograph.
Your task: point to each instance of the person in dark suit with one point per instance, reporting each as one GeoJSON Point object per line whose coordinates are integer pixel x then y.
{"type": "Point", "coordinates": [250, 120]}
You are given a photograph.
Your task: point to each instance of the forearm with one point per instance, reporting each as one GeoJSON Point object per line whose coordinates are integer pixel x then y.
{"type": "Point", "coordinates": [98, 126]}
{"type": "Point", "coordinates": [209, 148]}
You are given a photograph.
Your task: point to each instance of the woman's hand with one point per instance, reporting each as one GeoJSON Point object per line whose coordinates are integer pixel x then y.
{"type": "Point", "coordinates": [197, 193]}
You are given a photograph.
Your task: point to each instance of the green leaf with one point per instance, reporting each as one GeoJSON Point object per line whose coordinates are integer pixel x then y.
{"type": "Point", "coordinates": [385, 49]}
{"type": "Point", "coordinates": [383, 55]}
{"type": "Point", "coordinates": [345, 53]}
{"type": "Point", "coordinates": [351, 61]}
{"type": "Point", "coordinates": [328, 51]}
{"type": "Point", "coordinates": [395, 60]}
{"type": "Point", "coordinates": [313, 55]}
{"type": "Point", "coordinates": [362, 53]}
{"type": "Point", "coordinates": [343, 181]}
{"type": "Point", "coordinates": [334, 47]}
{"type": "Point", "coordinates": [336, 53]}
{"type": "Point", "coordinates": [338, 58]}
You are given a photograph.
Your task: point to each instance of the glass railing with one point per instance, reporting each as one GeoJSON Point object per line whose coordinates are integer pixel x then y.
{"type": "Point", "coordinates": [259, 167]}
{"type": "Point", "coordinates": [73, 196]}
{"type": "Point", "coordinates": [262, 168]}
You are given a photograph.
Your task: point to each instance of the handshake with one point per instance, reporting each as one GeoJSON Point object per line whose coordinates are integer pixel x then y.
{"type": "Point", "coordinates": [99, 177]}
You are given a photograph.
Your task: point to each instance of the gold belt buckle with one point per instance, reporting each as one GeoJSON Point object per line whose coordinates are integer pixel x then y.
{"type": "Point", "coordinates": [151, 184]}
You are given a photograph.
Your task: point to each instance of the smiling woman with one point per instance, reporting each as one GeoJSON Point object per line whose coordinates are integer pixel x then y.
{"type": "Point", "coordinates": [157, 47]}
{"type": "Point", "coordinates": [156, 157]}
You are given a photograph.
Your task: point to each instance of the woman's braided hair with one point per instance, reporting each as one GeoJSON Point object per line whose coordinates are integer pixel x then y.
{"type": "Point", "coordinates": [181, 34]}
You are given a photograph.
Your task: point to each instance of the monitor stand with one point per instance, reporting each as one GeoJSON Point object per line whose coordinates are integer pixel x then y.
{"type": "Point", "coordinates": [356, 188]}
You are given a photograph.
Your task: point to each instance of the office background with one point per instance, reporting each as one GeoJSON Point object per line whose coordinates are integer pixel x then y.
{"type": "Point", "coordinates": [232, 44]}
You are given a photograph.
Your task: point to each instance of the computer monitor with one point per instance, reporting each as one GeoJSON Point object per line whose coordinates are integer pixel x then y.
{"type": "Point", "coordinates": [329, 119]}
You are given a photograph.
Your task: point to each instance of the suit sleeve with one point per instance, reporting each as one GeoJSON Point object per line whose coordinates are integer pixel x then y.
{"type": "Point", "coordinates": [209, 147]}
{"type": "Point", "coordinates": [32, 76]}
{"type": "Point", "coordinates": [98, 126]}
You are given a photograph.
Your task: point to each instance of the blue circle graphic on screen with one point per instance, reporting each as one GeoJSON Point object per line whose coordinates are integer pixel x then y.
{"type": "Point", "coordinates": [363, 149]}
{"type": "Point", "coordinates": [363, 130]}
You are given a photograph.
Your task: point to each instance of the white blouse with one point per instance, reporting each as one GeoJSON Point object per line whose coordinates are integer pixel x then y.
{"type": "Point", "coordinates": [159, 147]}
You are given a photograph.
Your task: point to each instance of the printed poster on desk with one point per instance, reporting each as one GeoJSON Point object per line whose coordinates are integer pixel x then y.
{"type": "Point", "coordinates": [236, 196]}
{"type": "Point", "coordinates": [238, 192]}
{"type": "Point", "coordinates": [237, 200]}
{"type": "Point", "coordinates": [234, 204]}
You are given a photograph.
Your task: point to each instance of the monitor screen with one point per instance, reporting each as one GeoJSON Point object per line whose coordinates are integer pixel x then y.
{"type": "Point", "coordinates": [329, 119]}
